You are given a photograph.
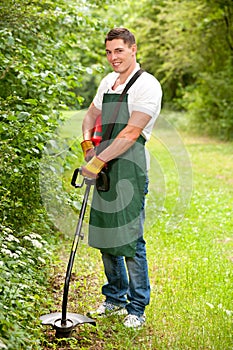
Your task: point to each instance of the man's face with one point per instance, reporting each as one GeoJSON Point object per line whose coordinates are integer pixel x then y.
{"type": "Point", "coordinates": [121, 57]}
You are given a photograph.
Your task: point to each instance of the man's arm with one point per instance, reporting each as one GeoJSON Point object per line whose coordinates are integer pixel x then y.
{"type": "Point", "coordinates": [87, 129]}
{"type": "Point", "coordinates": [89, 121]}
{"type": "Point", "coordinates": [127, 137]}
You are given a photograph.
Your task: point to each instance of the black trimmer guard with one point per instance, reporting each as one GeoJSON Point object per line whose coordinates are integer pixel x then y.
{"type": "Point", "coordinates": [65, 330]}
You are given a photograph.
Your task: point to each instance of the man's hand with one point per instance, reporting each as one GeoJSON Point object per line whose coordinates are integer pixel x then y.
{"type": "Point", "coordinates": [93, 167]}
{"type": "Point", "coordinates": [88, 150]}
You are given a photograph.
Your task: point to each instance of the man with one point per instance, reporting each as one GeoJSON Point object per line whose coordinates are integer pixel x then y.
{"type": "Point", "coordinates": [117, 216]}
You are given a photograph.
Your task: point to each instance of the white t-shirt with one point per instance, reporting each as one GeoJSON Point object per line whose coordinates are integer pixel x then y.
{"type": "Point", "coordinates": [144, 96]}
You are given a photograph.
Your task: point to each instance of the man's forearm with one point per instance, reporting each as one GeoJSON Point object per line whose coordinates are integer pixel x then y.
{"type": "Point", "coordinates": [126, 138]}
{"type": "Point", "coordinates": [89, 122]}
{"type": "Point", "coordinates": [118, 147]}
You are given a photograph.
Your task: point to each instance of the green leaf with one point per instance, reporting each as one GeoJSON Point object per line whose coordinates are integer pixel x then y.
{"type": "Point", "coordinates": [31, 101]}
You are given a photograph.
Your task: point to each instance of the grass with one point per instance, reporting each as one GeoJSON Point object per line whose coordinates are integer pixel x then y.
{"type": "Point", "coordinates": [190, 260]}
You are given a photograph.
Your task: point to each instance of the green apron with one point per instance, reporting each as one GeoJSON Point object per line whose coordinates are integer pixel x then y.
{"type": "Point", "coordinates": [114, 225]}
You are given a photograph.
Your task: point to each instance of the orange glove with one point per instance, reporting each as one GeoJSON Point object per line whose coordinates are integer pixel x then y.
{"type": "Point", "coordinates": [93, 167]}
{"type": "Point", "coordinates": [88, 150]}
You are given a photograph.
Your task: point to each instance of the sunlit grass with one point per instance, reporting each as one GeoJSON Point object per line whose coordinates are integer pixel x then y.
{"type": "Point", "coordinates": [191, 266]}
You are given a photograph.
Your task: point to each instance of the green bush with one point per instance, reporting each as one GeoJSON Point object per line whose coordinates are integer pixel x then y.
{"type": "Point", "coordinates": [210, 103]}
{"type": "Point", "coordinates": [25, 261]}
{"type": "Point", "coordinates": [42, 47]}
{"type": "Point", "coordinates": [42, 44]}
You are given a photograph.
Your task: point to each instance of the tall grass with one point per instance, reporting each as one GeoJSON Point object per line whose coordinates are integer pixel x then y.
{"type": "Point", "coordinates": [190, 261]}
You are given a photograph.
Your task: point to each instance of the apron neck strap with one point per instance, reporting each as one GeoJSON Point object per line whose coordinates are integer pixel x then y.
{"type": "Point", "coordinates": [132, 81]}
{"type": "Point", "coordinates": [108, 132]}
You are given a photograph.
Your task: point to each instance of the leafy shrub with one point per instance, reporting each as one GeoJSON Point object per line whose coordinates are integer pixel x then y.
{"type": "Point", "coordinates": [25, 261]}
{"type": "Point", "coordinates": [41, 48]}
{"type": "Point", "coordinates": [210, 103]}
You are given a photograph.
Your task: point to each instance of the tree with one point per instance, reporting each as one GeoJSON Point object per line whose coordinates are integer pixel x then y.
{"type": "Point", "coordinates": [188, 45]}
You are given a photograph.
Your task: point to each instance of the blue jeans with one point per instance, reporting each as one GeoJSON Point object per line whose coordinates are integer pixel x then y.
{"type": "Point", "coordinates": [127, 278]}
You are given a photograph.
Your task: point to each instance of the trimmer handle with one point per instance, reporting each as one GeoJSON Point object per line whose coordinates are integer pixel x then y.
{"type": "Point", "coordinates": [74, 178]}
{"type": "Point", "coordinates": [102, 181]}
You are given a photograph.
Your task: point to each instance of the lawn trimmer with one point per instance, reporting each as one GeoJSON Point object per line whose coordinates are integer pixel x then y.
{"type": "Point", "coordinates": [63, 322]}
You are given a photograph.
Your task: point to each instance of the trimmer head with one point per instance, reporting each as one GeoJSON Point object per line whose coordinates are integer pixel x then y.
{"type": "Point", "coordinates": [65, 330]}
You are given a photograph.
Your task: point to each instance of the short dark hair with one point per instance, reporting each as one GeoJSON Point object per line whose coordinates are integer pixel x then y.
{"type": "Point", "coordinates": [121, 33]}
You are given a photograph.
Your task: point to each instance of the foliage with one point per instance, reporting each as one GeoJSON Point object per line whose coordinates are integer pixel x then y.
{"type": "Point", "coordinates": [43, 45]}
{"type": "Point", "coordinates": [210, 103]}
{"type": "Point", "coordinates": [25, 261]}
{"type": "Point", "coordinates": [37, 78]}
{"type": "Point", "coordinates": [188, 45]}
{"type": "Point", "coordinates": [94, 59]}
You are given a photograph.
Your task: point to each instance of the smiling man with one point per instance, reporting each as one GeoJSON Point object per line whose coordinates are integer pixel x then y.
{"type": "Point", "coordinates": [117, 216]}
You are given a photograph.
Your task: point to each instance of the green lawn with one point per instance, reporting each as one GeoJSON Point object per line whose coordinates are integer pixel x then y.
{"type": "Point", "coordinates": [189, 235]}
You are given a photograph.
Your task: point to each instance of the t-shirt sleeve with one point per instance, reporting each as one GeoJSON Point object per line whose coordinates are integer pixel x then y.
{"type": "Point", "coordinates": [148, 97]}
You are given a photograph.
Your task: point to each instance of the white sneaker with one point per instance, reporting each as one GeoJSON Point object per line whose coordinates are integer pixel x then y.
{"type": "Point", "coordinates": [134, 321]}
{"type": "Point", "coordinates": [108, 309]}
